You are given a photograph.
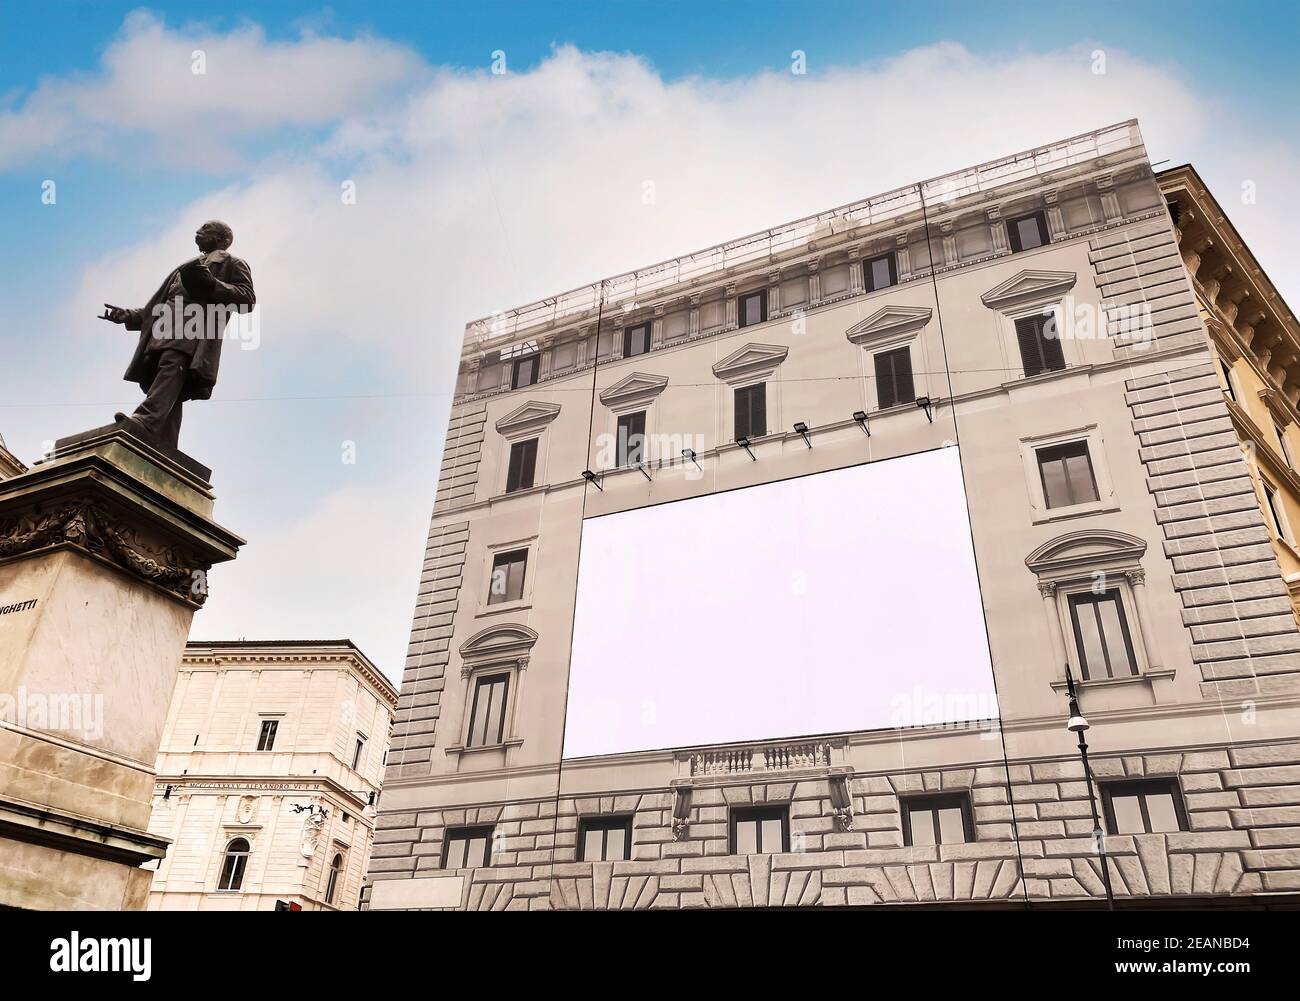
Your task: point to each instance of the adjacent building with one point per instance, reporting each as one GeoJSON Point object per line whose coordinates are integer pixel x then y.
{"type": "Point", "coordinates": [10, 465]}
{"type": "Point", "coordinates": [267, 777]}
{"type": "Point", "coordinates": [1064, 321]}
{"type": "Point", "coordinates": [1256, 345]}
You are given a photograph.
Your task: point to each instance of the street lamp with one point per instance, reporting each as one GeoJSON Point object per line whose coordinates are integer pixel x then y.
{"type": "Point", "coordinates": [1078, 723]}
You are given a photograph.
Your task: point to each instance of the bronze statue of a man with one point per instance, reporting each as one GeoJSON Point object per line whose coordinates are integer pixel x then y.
{"type": "Point", "coordinates": [181, 330]}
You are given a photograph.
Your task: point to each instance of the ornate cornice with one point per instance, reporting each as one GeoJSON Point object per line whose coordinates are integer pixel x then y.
{"type": "Point", "coordinates": [1082, 550]}
{"type": "Point", "coordinates": [749, 361]}
{"type": "Point", "coordinates": [532, 416]}
{"type": "Point", "coordinates": [1028, 287]}
{"type": "Point", "coordinates": [86, 526]}
{"type": "Point", "coordinates": [637, 388]}
{"type": "Point", "coordinates": [888, 323]}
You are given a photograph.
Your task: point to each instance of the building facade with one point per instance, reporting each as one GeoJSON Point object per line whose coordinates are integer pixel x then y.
{"type": "Point", "coordinates": [271, 763]}
{"type": "Point", "coordinates": [1035, 314]}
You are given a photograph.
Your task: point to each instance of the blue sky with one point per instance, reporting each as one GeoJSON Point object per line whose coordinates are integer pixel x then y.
{"type": "Point", "coordinates": [477, 192]}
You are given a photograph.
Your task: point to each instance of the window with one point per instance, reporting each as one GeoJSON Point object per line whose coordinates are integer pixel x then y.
{"type": "Point", "coordinates": [894, 377]}
{"type": "Point", "coordinates": [751, 411]}
{"type": "Point", "coordinates": [508, 576]}
{"type": "Point", "coordinates": [760, 830]}
{"type": "Point", "coordinates": [357, 752]}
{"type": "Point", "coordinates": [487, 714]}
{"type": "Point", "coordinates": [1274, 509]}
{"type": "Point", "coordinates": [879, 272]}
{"type": "Point", "coordinates": [266, 738]}
{"type": "Point", "coordinates": [636, 340]}
{"type": "Point", "coordinates": [631, 438]}
{"type": "Point", "coordinates": [1102, 636]}
{"type": "Point", "coordinates": [751, 307]}
{"type": "Point", "coordinates": [467, 848]}
{"type": "Point", "coordinates": [1281, 441]}
{"type": "Point", "coordinates": [1229, 390]}
{"type": "Point", "coordinates": [523, 465]}
{"type": "Point", "coordinates": [1149, 807]}
{"type": "Point", "coordinates": [1040, 348]}
{"type": "Point", "coordinates": [605, 839]}
{"type": "Point", "coordinates": [525, 371]}
{"type": "Point", "coordinates": [1066, 472]}
{"type": "Point", "coordinates": [336, 870]}
{"type": "Point", "coordinates": [233, 866]}
{"type": "Point", "coordinates": [1027, 232]}
{"type": "Point", "coordinates": [937, 820]}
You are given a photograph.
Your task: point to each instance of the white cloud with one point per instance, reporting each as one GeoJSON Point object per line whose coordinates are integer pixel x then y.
{"type": "Point", "coordinates": [477, 192]}
{"type": "Point", "coordinates": [148, 101]}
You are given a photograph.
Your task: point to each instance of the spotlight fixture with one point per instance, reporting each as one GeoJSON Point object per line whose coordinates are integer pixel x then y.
{"type": "Point", "coordinates": [743, 442]}
{"type": "Point", "coordinates": [167, 793]}
{"type": "Point", "coordinates": [644, 472]}
{"type": "Point", "coordinates": [593, 479]}
{"type": "Point", "coordinates": [801, 429]}
{"type": "Point", "coordinates": [689, 455]}
{"type": "Point", "coordinates": [925, 403]}
{"type": "Point", "coordinates": [861, 417]}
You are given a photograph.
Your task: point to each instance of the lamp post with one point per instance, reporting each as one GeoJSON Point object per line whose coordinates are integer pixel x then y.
{"type": "Point", "coordinates": [1079, 724]}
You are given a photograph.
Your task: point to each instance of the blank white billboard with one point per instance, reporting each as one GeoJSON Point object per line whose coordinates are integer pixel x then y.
{"type": "Point", "coordinates": [845, 600]}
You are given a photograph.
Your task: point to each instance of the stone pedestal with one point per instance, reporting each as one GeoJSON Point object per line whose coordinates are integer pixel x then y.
{"type": "Point", "coordinates": [104, 553]}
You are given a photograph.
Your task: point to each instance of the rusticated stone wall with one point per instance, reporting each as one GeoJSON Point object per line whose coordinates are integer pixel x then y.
{"type": "Point", "coordinates": [1033, 838]}
{"type": "Point", "coordinates": [1235, 602]}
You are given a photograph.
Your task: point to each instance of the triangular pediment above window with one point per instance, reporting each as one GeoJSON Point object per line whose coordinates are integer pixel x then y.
{"type": "Point", "coordinates": [1085, 550]}
{"type": "Point", "coordinates": [890, 322]}
{"type": "Point", "coordinates": [532, 416]}
{"type": "Point", "coordinates": [509, 640]}
{"type": "Point", "coordinates": [637, 388]}
{"type": "Point", "coordinates": [1029, 287]}
{"type": "Point", "coordinates": [751, 360]}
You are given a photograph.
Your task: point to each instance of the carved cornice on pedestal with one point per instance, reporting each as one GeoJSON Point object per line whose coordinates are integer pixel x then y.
{"type": "Point", "coordinates": [122, 504]}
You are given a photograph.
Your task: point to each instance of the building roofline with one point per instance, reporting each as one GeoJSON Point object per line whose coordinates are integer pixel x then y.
{"type": "Point", "coordinates": [1201, 189]}
{"type": "Point", "coordinates": [197, 648]}
{"type": "Point", "coordinates": [1115, 138]}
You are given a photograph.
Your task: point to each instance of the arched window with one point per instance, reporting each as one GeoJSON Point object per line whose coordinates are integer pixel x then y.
{"type": "Point", "coordinates": [336, 871]}
{"type": "Point", "coordinates": [232, 868]}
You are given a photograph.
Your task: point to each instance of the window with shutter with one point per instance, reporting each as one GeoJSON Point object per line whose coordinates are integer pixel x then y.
{"type": "Point", "coordinates": [631, 438]}
{"type": "Point", "coordinates": [751, 411]}
{"type": "Point", "coordinates": [523, 465]}
{"type": "Point", "coordinates": [525, 372]}
{"type": "Point", "coordinates": [487, 716]}
{"type": "Point", "coordinates": [751, 308]}
{"type": "Point", "coordinates": [1146, 807]}
{"type": "Point", "coordinates": [880, 272]}
{"type": "Point", "coordinates": [1102, 636]}
{"type": "Point", "coordinates": [760, 830]}
{"type": "Point", "coordinates": [1027, 232]}
{"type": "Point", "coordinates": [508, 576]}
{"type": "Point", "coordinates": [894, 378]}
{"type": "Point", "coordinates": [1040, 347]}
{"type": "Point", "coordinates": [636, 340]}
{"type": "Point", "coordinates": [1067, 475]}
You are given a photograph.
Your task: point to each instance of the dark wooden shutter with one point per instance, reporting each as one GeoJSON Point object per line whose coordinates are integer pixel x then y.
{"type": "Point", "coordinates": [742, 414]}
{"type": "Point", "coordinates": [1038, 353]}
{"type": "Point", "coordinates": [894, 378]}
{"type": "Point", "coordinates": [523, 464]}
{"type": "Point", "coordinates": [1013, 234]}
{"type": "Point", "coordinates": [885, 381]}
{"type": "Point", "coordinates": [758, 410]}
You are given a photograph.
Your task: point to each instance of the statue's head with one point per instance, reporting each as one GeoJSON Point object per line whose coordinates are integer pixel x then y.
{"type": "Point", "coordinates": [214, 235]}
